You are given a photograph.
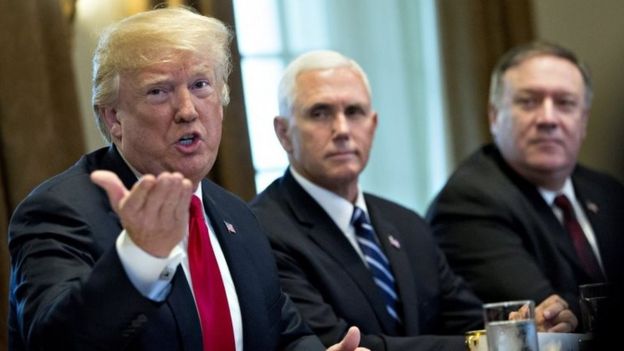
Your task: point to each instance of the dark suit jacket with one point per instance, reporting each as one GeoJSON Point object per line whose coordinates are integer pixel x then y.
{"type": "Point", "coordinates": [69, 290]}
{"type": "Point", "coordinates": [333, 288]}
{"type": "Point", "coordinates": [503, 238]}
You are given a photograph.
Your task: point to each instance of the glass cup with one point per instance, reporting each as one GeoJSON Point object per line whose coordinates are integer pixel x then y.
{"type": "Point", "coordinates": [593, 299]}
{"type": "Point", "coordinates": [509, 331]}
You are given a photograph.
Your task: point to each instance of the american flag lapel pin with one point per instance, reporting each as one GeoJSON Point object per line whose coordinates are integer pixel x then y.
{"type": "Point", "coordinates": [592, 206]}
{"type": "Point", "coordinates": [394, 242]}
{"type": "Point", "coordinates": [230, 227]}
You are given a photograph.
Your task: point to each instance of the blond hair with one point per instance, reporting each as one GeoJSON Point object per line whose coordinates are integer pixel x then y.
{"type": "Point", "coordinates": [156, 36]}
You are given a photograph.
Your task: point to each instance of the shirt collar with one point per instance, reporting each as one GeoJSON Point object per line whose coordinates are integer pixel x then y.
{"type": "Point", "coordinates": [567, 190]}
{"type": "Point", "coordinates": [338, 208]}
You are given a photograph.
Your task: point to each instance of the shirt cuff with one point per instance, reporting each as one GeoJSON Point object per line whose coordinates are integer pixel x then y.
{"type": "Point", "coordinates": [150, 275]}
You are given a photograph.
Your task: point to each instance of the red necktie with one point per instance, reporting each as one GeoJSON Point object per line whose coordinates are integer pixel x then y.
{"type": "Point", "coordinates": [210, 298]}
{"type": "Point", "coordinates": [581, 245]}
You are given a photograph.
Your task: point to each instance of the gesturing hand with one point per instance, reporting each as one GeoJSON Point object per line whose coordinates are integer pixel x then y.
{"type": "Point", "coordinates": [154, 213]}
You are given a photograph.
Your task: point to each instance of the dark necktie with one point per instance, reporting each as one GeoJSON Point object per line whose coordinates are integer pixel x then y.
{"type": "Point", "coordinates": [377, 262]}
{"type": "Point", "coordinates": [210, 298]}
{"type": "Point", "coordinates": [581, 245]}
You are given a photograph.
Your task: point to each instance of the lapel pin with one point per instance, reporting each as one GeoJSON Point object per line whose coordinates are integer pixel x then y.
{"type": "Point", "coordinates": [592, 207]}
{"type": "Point", "coordinates": [230, 227]}
{"type": "Point", "coordinates": [394, 242]}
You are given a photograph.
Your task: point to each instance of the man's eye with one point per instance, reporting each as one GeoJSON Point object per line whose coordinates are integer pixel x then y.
{"type": "Point", "coordinates": [354, 112]}
{"type": "Point", "coordinates": [526, 102]}
{"type": "Point", "coordinates": [201, 84]}
{"type": "Point", "coordinates": [567, 104]}
{"type": "Point", "coordinates": [155, 91]}
{"type": "Point", "coordinates": [320, 114]}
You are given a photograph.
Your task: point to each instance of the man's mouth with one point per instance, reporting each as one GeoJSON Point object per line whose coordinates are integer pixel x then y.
{"type": "Point", "coordinates": [187, 139]}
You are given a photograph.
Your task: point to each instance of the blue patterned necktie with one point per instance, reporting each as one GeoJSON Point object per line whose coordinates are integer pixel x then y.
{"type": "Point", "coordinates": [377, 262]}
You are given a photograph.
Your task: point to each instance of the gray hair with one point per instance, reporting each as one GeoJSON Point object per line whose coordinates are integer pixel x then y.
{"type": "Point", "coordinates": [310, 61]}
{"type": "Point", "coordinates": [524, 52]}
{"type": "Point", "coordinates": [152, 37]}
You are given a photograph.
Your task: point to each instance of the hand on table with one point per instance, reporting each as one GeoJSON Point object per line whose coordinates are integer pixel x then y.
{"type": "Point", "coordinates": [551, 315]}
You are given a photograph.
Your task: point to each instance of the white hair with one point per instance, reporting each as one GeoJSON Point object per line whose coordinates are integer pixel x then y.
{"type": "Point", "coordinates": [310, 61]}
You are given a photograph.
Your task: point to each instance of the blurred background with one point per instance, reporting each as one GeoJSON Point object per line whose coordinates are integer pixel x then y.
{"type": "Point", "coordinates": [428, 62]}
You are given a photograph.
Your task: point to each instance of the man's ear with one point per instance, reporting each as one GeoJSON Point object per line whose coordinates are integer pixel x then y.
{"type": "Point", "coordinates": [375, 120]}
{"type": "Point", "coordinates": [109, 114]}
{"type": "Point", "coordinates": [280, 125]}
{"type": "Point", "coordinates": [493, 118]}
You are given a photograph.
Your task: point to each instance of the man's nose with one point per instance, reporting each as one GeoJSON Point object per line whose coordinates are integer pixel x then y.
{"type": "Point", "coordinates": [547, 114]}
{"type": "Point", "coordinates": [185, 107]}
{"type": "Point", "coordinates": [340, 123]}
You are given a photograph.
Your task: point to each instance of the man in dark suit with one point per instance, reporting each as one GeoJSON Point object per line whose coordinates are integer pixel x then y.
{"type": "Point", "coordinates": [326, 265]}
{"type": "Point", "coordinates": [498, 218]}
{"type": "Point", "coordinates": [98, 266]}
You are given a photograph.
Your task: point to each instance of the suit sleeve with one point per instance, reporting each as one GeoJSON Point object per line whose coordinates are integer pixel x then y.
{"type": "Point", "coordinates": [486, 243]}
{"type": "Point", "coordinates": [68, 289]}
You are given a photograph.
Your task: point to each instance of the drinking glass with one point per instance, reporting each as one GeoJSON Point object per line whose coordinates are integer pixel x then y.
{"type": "Point", "coordinates": [505, 334]}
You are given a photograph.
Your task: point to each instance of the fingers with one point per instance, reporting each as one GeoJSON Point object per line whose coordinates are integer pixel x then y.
{"type": "Point", "coordinates": [169, 197]}
{"type": "Point", "coordinates": [521, 313]}
{"type": "Point", "coordinates": [154, 212]}
{"type": "Point", "coordinates": [113, 186]}
{"type": "Point", "coordinates": [551, 307]}
{"type": "Point", "coordinates": [553, 315]}
{"type": "Point", "coordinates": [565, 322]}
{"type": "Point", "coordinates": [350, 342]}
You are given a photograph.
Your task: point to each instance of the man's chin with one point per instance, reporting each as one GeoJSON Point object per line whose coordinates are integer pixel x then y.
{"type": "Point", "coordinates": [549, 165]}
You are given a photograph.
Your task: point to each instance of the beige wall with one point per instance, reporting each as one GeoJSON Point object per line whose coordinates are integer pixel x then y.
{"type": "Point", "coordinates": [594, 30]}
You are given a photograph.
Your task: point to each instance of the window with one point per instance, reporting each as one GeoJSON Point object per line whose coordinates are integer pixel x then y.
{"type": "Point", "coordinates": [395, 42]}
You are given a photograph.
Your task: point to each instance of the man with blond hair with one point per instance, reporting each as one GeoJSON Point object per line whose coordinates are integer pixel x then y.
{"type": "Point", "coordinates": [132, 248]}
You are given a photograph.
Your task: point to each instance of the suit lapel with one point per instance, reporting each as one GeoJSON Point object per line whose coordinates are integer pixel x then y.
{"type": "Point", "coordinates": [321, 229]}
{"type": "Point", "coordinates": [554, 228]}
{"type": "Point", "coordinates": [594, 210]}
{"type": "Point", "coordinates": [391, 240]}
{"type": "Point", "coordinates": [232, 242]}
{"type": "Point", "coordinates": [115, 163]}
{"type": "Point", "coordinates": [184, 312]}
{"type": "Point", "coordinates": [551, 225]}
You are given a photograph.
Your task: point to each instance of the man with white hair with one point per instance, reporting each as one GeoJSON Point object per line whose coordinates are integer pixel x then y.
{"type": "Point", "coordinates": [347, 257]}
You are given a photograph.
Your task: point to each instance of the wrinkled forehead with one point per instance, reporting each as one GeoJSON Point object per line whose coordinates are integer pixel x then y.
{"type": "Point", "coordinates": [545, 72]}
{"type": "Point", "coordinates": [170, 64]}
{"type": "Point", "coordinates": [331, 83]}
